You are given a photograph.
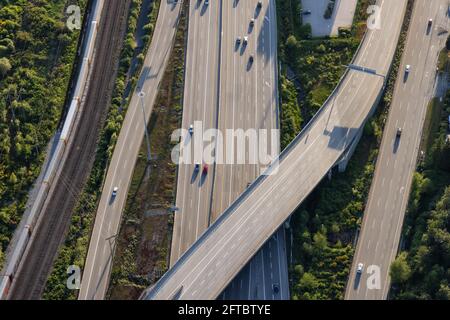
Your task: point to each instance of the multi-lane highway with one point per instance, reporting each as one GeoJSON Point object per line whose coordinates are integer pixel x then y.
{"type": "Point", "coordinates": [225, 91]}
{"type": "Point", "coordinates": [382, 223]}
{"type": "Point", "coordinates": [249, 100]}
{"type": "Point", "coordinates": [265, 276]}
{"type": "Point", "coordinates": [200, 105]}
{"type": "Point", "coordinates": [101, 248]}
{"type": "Point", "coordinates": [220, 253]}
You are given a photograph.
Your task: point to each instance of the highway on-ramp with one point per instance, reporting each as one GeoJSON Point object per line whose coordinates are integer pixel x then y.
{"type": "Point", "coordinates": [213, 261]}
{"type": "Point", "coordinates": [98, 264]}
{"type": "Point", "coordinates": [383, 218]}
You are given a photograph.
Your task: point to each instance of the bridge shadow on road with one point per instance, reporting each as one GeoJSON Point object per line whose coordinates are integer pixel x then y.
{"type": "Point", "coordinates": [341, 137]}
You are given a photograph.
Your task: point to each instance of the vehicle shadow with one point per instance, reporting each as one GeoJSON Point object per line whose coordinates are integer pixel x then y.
{"type": "Point", "coordinates": [357, 281]}
{"type": "Point", "coordinates": [405, 77]}
{"type": "Point", "coordinates": [194, 176]}
{"type": "Point", "coordinates": [396, 144]}
{"type": "Point", "coordinates": [203, 10]}
{"type": "Point", "coordinates": [202, 179]}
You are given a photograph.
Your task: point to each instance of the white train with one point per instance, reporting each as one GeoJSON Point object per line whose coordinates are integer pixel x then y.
{"type": "Point", "coordinates": [23, 234]}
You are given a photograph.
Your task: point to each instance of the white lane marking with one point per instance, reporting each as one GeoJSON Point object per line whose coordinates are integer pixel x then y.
{"type": "Point", "coordinates": [97, 240]}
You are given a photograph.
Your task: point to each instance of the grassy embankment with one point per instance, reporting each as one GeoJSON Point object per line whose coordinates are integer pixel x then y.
{"type": "Point", "coordinates": [142, 254]}
{"type": "Point", "coordinates": [37, 53]}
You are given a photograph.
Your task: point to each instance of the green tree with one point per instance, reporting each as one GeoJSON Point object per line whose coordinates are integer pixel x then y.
{"type": "Point", "coordinates": [291, 42]}
{"type": "Point", "coordinates": [400, 270]}
{"type": "Point", "coordinates": [308, 282]}
{"type": "Point", "coordinates": [444, 292]}
{"type": "Point", "coordinates": [5, 66]}
{"type": "Point", "coordinates": [13, 178]}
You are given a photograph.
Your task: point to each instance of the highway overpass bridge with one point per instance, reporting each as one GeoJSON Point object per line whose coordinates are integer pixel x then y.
{"type": "Point", "coordinates": [218, 255]}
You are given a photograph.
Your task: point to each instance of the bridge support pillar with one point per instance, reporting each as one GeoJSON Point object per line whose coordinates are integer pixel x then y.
{"type": "Point", "coordinates": [343, 162]}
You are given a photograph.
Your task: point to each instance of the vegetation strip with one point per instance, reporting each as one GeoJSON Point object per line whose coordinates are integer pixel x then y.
{"type": "Point", "coordinates": [142, 254]}
{"type": "Point", "coordinates": [37, 53]}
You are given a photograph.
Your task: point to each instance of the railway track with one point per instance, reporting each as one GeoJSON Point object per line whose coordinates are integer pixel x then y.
{"type": "Point", "coordinates": [32, 275]}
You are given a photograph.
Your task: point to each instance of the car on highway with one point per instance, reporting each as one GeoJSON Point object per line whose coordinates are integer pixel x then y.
{"type": "Point", "coordinates": [206, 2]}
{"type": "Point", "coordinates": [251, 59]}
{"type": "Point", "coordinates": [114, 193]}
{"type": "Point", "coordinates": [245, 40]}
{"type": "Point", "coordinates": [197, 167]}
{"type": "Point", "coordinates": [430, 23]}
{"type": "Point", "coordinates": [259, 5]}
{"type": "Point", "coordinates": [252, 22]}
{"type": "Point", "coordinates": [275, 288]}
{"type": "Point", "coordinates": [306, 12]}
{"type": "Point", "coordinates": [238, 40]}
{"type": "Point", "coordinates": [191, 129]}
{"type": "Point", "coordinates": [399, 132]}
{"type": "Point", "coordinates": [205, 169]}
{"type": "Point", "coordinates": [408, 68]}
{"type": "Point", "coordinates": [360, 268]}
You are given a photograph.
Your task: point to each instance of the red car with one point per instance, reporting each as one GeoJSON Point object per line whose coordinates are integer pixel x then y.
{"type": "Point", "coordinates": [205, 169]}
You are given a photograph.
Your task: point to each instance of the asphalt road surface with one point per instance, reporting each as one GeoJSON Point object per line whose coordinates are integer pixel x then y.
{"type": "Point", "coordinates": [249, 100]}
{"type": "Point", "coordinates": [194, 188]}
{"type": "Point", "coordinates": [265, 277]}
{"type": "Point", "coordinates": [98, 265]}
{"type": "Point", "coordinates": [227, 246]}
{"type": "Point", "coordinates": [343, 14]}
{"type": "Point", "coordinates": [382, 223]}
{"type": "Point", "coordinates": [225, 91]}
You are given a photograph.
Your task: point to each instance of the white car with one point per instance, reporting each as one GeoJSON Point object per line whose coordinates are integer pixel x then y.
{"type": "Point", "coordinates": [115, 190]}
{"type": "Point", "coordinates": [360, 268]}
{"type": "Point", "coordinates": [407, 68]}
{"type": "Point", "coordinates": [245, 40]}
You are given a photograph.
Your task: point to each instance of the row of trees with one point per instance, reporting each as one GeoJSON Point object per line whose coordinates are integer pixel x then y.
{"type": "Point", "coordinates": [36, 58]}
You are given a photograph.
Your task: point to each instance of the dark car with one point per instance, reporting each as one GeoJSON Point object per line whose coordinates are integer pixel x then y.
{"type": "Point", "coordinates": [275, 288]}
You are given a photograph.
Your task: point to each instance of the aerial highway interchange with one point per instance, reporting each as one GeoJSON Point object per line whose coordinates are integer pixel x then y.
{"type": "Point", "coordinates": [329, 134]}
{"type": "Point", "coordinates": [231, 236]}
